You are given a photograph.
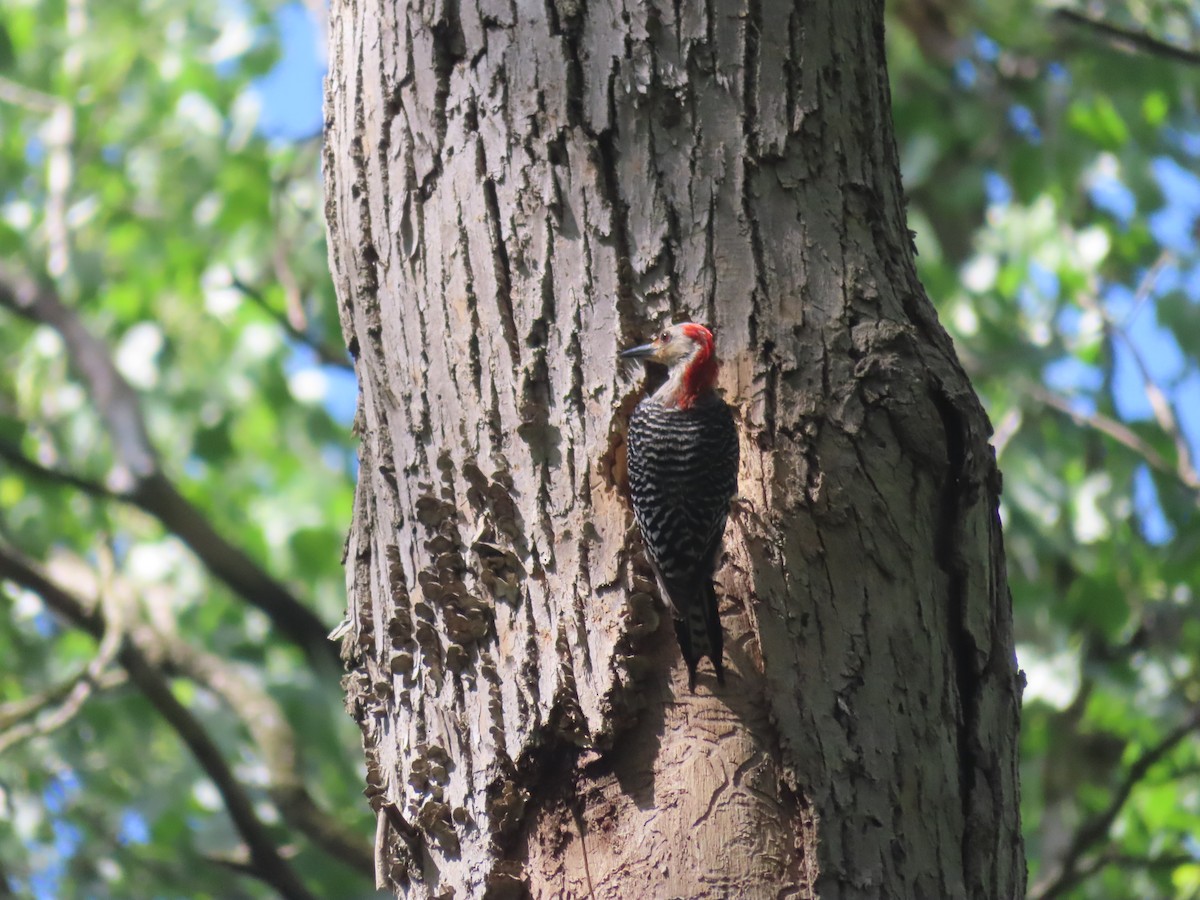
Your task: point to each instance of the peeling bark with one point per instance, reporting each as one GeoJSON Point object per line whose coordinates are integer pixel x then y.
{"type": "Point", "coordinates": [516, 191]}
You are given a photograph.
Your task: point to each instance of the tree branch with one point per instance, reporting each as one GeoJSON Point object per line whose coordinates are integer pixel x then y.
{"type": "Point", "coordinates": [116, 401]}
{"type": "Point", "coordinates": [119, 407]}
{"type": "Point", "coordinates": [1164, 411]}
{"type": "Point", "coordinates": [1070, 871]}
{"type": "Point", "coordinates": [1129, 40]}
{"type": "Point", "coordinates": [12, 454]}
{"type": "Point", "coordinates": [1118, 431]}
{"type": "Point", "coordinates": [263, 852]}
{"type": "Point", "coordinates": [1164, 414]}
{"type": "Point", "coordinates": [69, 695]}
{"type": "Point", "coordinates": [1131, 863]}
{"type": "Point", "coordinates": [26, 97]}
{"type": "Point", "coordinates": [158, 496]}
{"type": "Point", "coordinates": [327, 354]}
{"type": "Point", "coordinates": [273, 736]}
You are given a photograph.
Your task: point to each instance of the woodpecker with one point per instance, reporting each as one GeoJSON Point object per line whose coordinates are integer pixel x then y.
{"type": "Point", "coordinates": [683, 462]}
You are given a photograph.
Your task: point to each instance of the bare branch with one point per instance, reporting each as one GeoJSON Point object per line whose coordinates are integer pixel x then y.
{"type": "Point", "coordinates": [263, 851]}
{"type": "Point", "coordinates": [33, 100]}
{"type": "Point", "coordinates": [119, 407]}
{"type": "Point", "coordinates": [60, 175]}
{"type": "Point", "coordinates": [238, 861]}
{"type": "Point", "coordinates": [1118, 431]}
{"type": "Point", "coordinates": [330, 356]}
{"type": "Point", "coordinates": [292, 300]}
{"type": "Point", "coordinates": [273, 736]}
{"type": "Point", "coordinates": [158, 496]}
{"type": "Point", "coordinates": [116, 401]}
{"type": "Point", "coordinates": [66, 698]}
{"type": "Point", "coordinates": [1164, 414]}
{"type": "Point", "coordinates": [1128, 862]}
{"type": "Point", "coordinates": [1129, 40]}
{"type": "Point", "coordinates": [12, 454]}
{"type": "Point", "coordinates": [1071, 870]}
{"type": "Point", "coordinates": [1146, 286]}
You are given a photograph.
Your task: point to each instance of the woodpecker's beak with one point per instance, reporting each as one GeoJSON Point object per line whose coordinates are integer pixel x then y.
{"type": "Point", "coordinates": [642, 352]}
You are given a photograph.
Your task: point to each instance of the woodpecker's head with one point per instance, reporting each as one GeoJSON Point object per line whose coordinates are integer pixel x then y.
{"type": "Point", "coordinates": [687, 352]}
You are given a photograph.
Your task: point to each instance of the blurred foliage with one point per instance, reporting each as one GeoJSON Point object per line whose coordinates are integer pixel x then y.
{"type": "Point", "coordinates": [1051, 165]}
{"type": "Point", "coordinates": [1049, 153]}
{"type": "Point", "coordinates": [134, 174]}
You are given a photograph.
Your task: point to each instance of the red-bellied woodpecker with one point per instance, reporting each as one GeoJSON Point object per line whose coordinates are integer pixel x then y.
{"type": "Point", "coordinates": [683, 462]}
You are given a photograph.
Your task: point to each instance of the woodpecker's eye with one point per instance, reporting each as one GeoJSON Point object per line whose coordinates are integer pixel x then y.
{"type": "Point", "coordinates": [665, 337]}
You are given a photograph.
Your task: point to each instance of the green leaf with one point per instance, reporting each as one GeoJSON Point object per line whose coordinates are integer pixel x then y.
{"type": "Point", "coordinates": [1097, 118]}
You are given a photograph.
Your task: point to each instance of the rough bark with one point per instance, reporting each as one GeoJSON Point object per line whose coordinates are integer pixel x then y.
{"type": "Point", "coordinates": [516, 191]}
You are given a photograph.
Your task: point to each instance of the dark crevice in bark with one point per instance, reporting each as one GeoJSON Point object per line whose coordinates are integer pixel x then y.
{"type": "Point", "coordinates": [423, 428]}
{"type": "Point", "coordinates": [565, 20]}
{"type": "Point", "coordinates": [759, 294]}
{"type": "Point", "coordinates": [750, 162]}
{"type": "Point", "coordinates": [475, 361]}
{"type": "Point", "coordinates": [387, 464]}
{"type": "Point", "coordinates": [710, 256]}
{"type": "Point", "coordinates": [632, 319]}
{"type": "Point", "coordinates": [367, 293]}
{"type": "Point", "coordinates": [539, 333]}
{"type": "Point", "coordinates": [383, 153]}
{"type": "Point", "coordinates": [791, 71]}
{"type": "Point", "coordinates": [429, 183]}
{"type": "Point", "coordinates": [475, 364]}
{"type": "Point", "coordinates": [449, 48]}
{"type": "Point", "coordinates": [664, 113]}
{"type": "Point", "coordinates": [494, 417]}
{"type": "Point", "coordinates": [575, 352]}
{"type": "Point", "coordinates": [412, 217]}
{"type": "Point", "coordinates": [949, 556]}
{"type": "Point", "coordinates": [752, 31]}
{"type": "Point", "coordinates": [672, 240]}
{"type": "Point", "coordinates": [504, 300]}
{"type": "Point", "coordinates": [770, 398]}
{"type": "Point", "coordinates": [425, 186]}
{"type": "Point", "coordinates": [543, 439]}
{"type": "Point", "coordinates": [531, 669]}
{"type": "Point", "coordinates": [566, 720]}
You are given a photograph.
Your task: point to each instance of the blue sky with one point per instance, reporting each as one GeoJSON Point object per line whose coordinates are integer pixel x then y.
{"type": "Point", "coordinates": [291, 93]}
{"type": "Point", "coordinates": [292, 101]}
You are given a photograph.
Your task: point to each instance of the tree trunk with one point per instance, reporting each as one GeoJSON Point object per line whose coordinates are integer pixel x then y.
{"type": "Point", "coordinates": [517, 191]}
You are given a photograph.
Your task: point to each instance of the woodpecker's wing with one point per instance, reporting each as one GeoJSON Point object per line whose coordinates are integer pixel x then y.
{"type": "Point", "coordinates": [682, 476]}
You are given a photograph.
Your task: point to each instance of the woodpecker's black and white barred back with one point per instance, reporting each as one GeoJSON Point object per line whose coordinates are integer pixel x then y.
{"type": "Point", "coordinates": [683, 462]}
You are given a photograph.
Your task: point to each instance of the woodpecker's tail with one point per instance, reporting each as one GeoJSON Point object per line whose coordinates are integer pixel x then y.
{"type": "Point", "coordinates": [698, 630]}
